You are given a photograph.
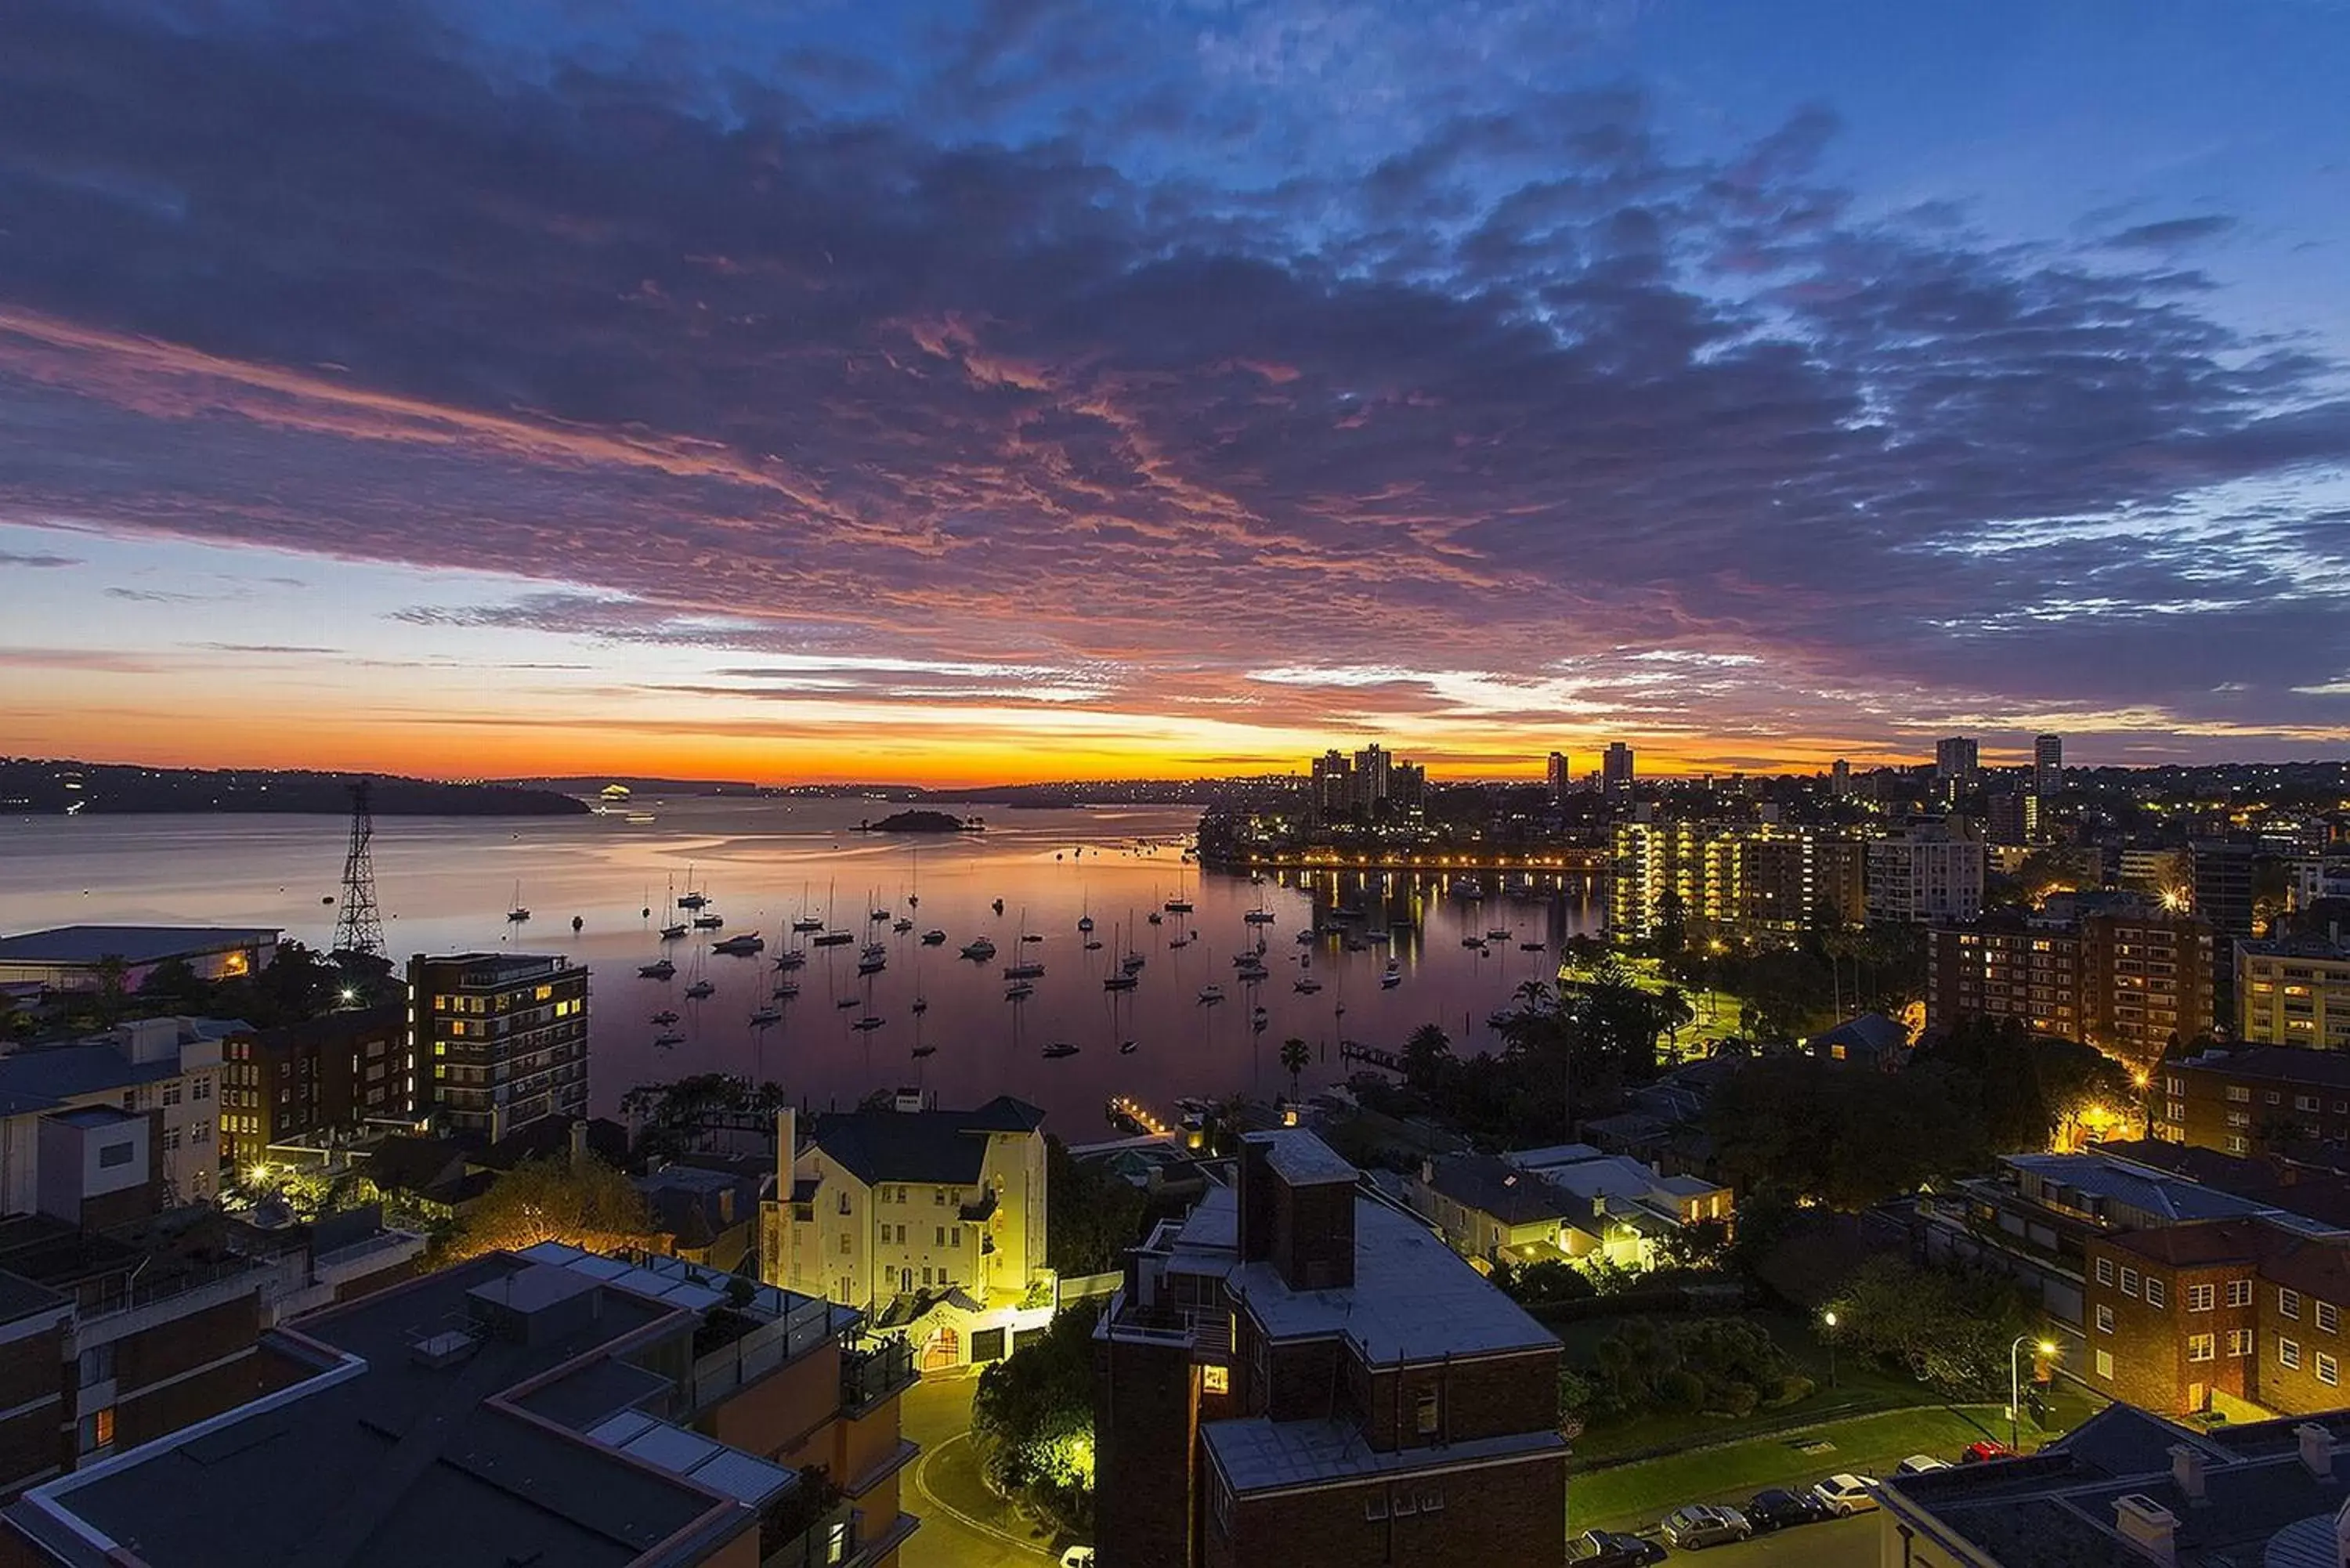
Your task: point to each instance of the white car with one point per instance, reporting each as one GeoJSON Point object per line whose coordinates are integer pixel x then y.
{"type": "Point", "coordinates": [1078, 1557]}
{"type": "Point", "coordinates": [1845, 1494]}
{"type": "Point", "coordinates": [1920, 1464]}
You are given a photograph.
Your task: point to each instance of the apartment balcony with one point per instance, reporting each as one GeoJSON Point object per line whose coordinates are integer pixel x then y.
{"type": "Point", "coordinates": [870, 1376]}
{"type": "Point", "coordinates": [843, 1537]}
{"type": "Point", "coordinates": [741, 1358]}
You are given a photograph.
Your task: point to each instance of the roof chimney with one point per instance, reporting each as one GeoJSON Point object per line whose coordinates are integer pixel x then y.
{"type": "Point", "coordinates": [2317, 1449]}
{"type": "Point", "coordinates": [787, 1148]}
{"type": "Point", "coordinates": [2148, 1526]}
{"type": "Point", "coordinates": [2187, 1472]}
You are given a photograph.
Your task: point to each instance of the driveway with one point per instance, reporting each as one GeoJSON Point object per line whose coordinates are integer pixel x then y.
{"type": "Point", "coordinates": [1838, 1544]}
{"type": "Point", "coordinates": [963, 1525]}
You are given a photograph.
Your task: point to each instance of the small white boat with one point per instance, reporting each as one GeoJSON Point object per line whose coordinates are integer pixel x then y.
{"type": "Point", "coordinates": [673, 933]}
{"type": "Point", "coordinates": [1058, 1049]}
{"type": "Point", "coordinates": [520, 912]}
{"type": "Point", "coordinates": [1392, 976]}
{"type": "Point", "coordinates": [808, 923]}
{"type": "Point", "coordinates": [1128, 1047]}
{"type": "Point", "coordinates": [934, 939]}
{"type": "Point", "coordinates": [699, 989]}
{"type": "Point", "coordinates": [1210, 995]}
{"type": "Point", "coordinates": [766, 1017]}
{"type": "Point", "coordinates": [667, 1039]}
{"type": "Point", "coordinates": [867, 1024]}
{"type": "Point", "coordinates": [1119, 982]}
{"type": "Point", "coordinates": [665, 1016]}
{"type": "Point", "coordinates": [832, 940]}
{"type": "Point", "coordinates": [922, 1005]}
{"type": "Point", "coordinates": [922, 1051]}
{"type": "Point", "coordinates": [872, 965]}
{"type": "Point", "coordinates": [846, 1002]}
{"type": "Point", "coordinates": [1026, 970]}
{"type": "Point", "coordinates": [1019, 991]}
{"type": "Point", "coordinates": [786, 990]}
{"type": "Point", "coordinates": [901, 925]}
{"type": "Point", "coordinates": [1306, 985]}
{"type": "Point", "coordinates": [708, 922]}
{"type": "Point", "coordinates": [660, 970]}
{"type": "Point", "coordinates": [790, 958]}
{"type": "Point", "coordinates": [742, 946]}
{"type": "Point", "coordinates": [1132, 963]}
{"type": "Point", "coordinates": [979, 951]}
{"type": "Point", "coordinates": [1260, 916]}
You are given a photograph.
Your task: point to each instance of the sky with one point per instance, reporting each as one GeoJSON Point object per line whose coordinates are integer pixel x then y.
{"type": "Point", "coordinates": [856, 390]}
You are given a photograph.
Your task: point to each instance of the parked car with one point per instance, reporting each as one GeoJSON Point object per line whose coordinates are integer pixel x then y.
{"type": "Point", "coordinates": [1611, 1549]}
{"type": "Point", "coordinates": [1921, 1465]}
{"type": "Point", "coordinates": [1982, 1452]}
{"type": "Point", "coordinates": [1779, 1509]}
{"type": "Point", "coordinates": [1705, 1524]}
{"type": "Point", "coordinates": [1844, 1494]}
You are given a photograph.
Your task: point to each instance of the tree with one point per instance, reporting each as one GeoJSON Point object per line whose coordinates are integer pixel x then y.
{"type": "Point", "coordinates": [1033, 1416]}
{"type": "Point", "coordinates": [172, 987]}
{"type": "Point", "coordinates": [1843, 1136]}
{"type": "Point", "coordinates": [1094, 1216]}
{"type": "Point", "coordinates": [1951, 1329]}
{"type": "Point", "coordinates": [111, 971]}
{"type": "Point", "coordinates": [1427, 1057]}
{"type": "Point", "coordinates": [589, 1204]}
{"type": "Point", "coordinates": [1294, 1057]}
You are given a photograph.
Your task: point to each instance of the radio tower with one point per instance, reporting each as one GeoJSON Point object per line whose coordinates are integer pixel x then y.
{"type": "Point", "coordinates": [359, 927]}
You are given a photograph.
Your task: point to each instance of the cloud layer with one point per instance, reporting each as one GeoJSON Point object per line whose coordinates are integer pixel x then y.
{"type": "Point", "coordinates": [1000, 402]}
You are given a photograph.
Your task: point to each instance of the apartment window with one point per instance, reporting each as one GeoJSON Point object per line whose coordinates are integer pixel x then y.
{"type": "Point", "coordinates": [2288, 1353]}
{"type": "Point", "coordinates": [2238, 1145]}
{"type": "Point", "coordinates": [1432, 1500]}
{"type": "Point", "coordinates": [2201, 1347]}
{"type": "Point", "coordinates": [2105, 1365]}
{"type": "Point", "coordinates": [97, 1364]}
{"type": "Point", "coordinates": [2105, 1272]}
{"type": "Point", "coordinates": [1215, 1380]}
{"type": "Point", "coordinates": [114, 1154]}
{"type": "Point", "coordinates": [1375, 1506]}
{"type": "Point", "coordinates": [2327, 1371]}
{"type": "Point", "coordinates": [2239, 1095]}
{"type": "Point", "coordinates": [2288, 1303]}
{"type": "Point", "coordinates": [2156, 1292]}
{"type": "Point", "coordinates": [171, 1140]}
{"type": "Point", "coordinates": [926, 1275]}
{"type": "Point", "coordinates": [2104, 1319]}
{"type": "Point", "coordinates": [1427, 1412]}
{"type": "Point", "coordinates": [172, 1094]}
{"type": "Point", "coordinates": [2239, 1342]}
{"type": "Point", "coordinates": [2202, 1298]}
{"type": "Point", "coordinates": [2304, 1102]}
{"type": "Point", "coordinates": [2329, 1317]}
{"type": "Point", "coordinates": [2129, 1282]}
{"type": "Point", "coordinates": [844, 1201]}
{"type": "Point", "coordinates": [937, 1196]}
{"type": "Point", "coordinates": [97, 1431]}
{"type": "Point", "coordinates": [844, 1243]}
{"type": "Point", "coordinates": [955, 1235]}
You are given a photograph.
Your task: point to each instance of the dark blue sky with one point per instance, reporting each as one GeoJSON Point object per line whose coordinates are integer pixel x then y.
{"type": "Point", "coordinates": [1046, 387]}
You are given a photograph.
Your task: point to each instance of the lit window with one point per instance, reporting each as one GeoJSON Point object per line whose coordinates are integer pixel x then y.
{"type": "Point", "coordinates": [2104, 1319]}
{"type": "Point", "coordinates": [2239, 1342]}
{"type": "Point", "coordinates": [2202, 1298]}
{"type": "Point", "coordinates": [2201, 1347]}
{"type": "Point", "coordinates": [1215, 1380]}
{"type": "Point", "coordinates": [2105, 1363]}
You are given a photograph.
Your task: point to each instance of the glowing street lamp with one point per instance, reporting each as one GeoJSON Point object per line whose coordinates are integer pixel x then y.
{"type": "Point", "coordinates": [2047, 1349]}
{"type": "Point", "coordinates": [1828, 1318]}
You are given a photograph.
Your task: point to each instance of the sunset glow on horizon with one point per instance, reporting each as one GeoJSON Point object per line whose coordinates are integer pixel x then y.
{"type": "Point", "coordinates": [1002, 393]}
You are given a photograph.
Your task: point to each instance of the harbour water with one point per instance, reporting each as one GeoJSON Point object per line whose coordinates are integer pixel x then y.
{"type": "Point", "coordinates": [446, 884]}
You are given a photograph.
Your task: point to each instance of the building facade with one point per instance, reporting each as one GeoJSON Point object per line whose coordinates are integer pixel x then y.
{"type": "Point", "coordinates": [881, 1204]}
{"type": "Point", "coordinates": [2253, 1102]}
{"type": "Point", "coordinates": [1925, 875]}
{"type": "Point", "coordinates": [90, 958]}
{"type": "Point", "coordinates": [1957, 760]}
{"type": "Point", "coordinates": [1747, 880]}
{"type": "Point", "coordinates": [2294, 990]}
{"type": "Point", "coordinates": [1616, 769]}
{"type": "Point", "coordinates": [506, 1035]}
{"type": "Point", "coordinates": [165, 1070]}
{"type": "Point", "coordinates": [307, 1080]}
{"type": "Point", "coordinates": [1296, 1372]}
{"type": "Point", "coordinates": [2130, 983]}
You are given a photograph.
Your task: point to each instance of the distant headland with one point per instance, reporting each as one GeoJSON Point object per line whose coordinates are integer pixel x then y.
{"type": "Point", "coordinates": [50, 787]}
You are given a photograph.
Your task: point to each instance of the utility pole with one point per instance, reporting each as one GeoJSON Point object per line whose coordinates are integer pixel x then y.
{"type": "Point", "coordinates": [358, 928]}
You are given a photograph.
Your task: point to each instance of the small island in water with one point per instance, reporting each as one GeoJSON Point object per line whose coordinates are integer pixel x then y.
{"type": "Point", "coordinates": [924, 822]}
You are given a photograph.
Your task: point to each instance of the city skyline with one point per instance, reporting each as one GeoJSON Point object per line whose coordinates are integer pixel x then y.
{"type": "Point", "coordinates": [1041, 390]}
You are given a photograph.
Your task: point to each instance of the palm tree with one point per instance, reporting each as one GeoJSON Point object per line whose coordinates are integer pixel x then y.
{"type": "Point", "coordinates": [1674, 1012]}
{"type": "Point", "coordinates": [1532, 995]}
{"type": "Point", "coordinates": [1425, 1057]}
{"type": "Point", "coordinates": [1294, 1057]}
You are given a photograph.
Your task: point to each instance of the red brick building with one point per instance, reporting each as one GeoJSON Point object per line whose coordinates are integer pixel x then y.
{"type": "Point", "coordinates": [2263, 1100]}
{"type": "Point", "coordinates": [333, 1073]}
{"type": "Point", "coordinates": [2229, 1315]}
{"type": "Point", "coordinates": [2125, 981]}
{"type": "Point", "coordinates": [1299, 1373]}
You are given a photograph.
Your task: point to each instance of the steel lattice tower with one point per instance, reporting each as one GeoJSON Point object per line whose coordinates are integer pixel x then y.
{"type": "Point", "coordinates": [359, 927]}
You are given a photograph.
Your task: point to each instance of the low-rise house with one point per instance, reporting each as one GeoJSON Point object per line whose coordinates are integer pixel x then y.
{"type": "Point", "coordinates": [165, 1071]}
{"type": "Point", "coordinates": [1867, 1040]}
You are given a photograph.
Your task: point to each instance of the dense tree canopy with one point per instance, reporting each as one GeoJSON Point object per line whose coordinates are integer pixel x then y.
{"type": "Point", "coordinates": [1034, 1418]}
{"type": "Point", "coordinates": [552, 1198]}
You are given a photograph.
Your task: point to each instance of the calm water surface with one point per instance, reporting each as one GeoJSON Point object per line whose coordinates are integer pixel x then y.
{"type": "Point", "coordinates": [447, 883]}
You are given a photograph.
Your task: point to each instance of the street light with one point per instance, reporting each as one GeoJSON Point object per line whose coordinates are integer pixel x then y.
{"type": "Point", "coordinates": [1829, 1318]}
{"type": "Point", "coordinates": [2047, 1348]}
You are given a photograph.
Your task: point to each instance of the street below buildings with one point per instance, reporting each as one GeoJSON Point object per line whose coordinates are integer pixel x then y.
{"type": "Point", "coordinates": [1838, 1543]}
{"type": "Point", "coordinates": [964, 1524]}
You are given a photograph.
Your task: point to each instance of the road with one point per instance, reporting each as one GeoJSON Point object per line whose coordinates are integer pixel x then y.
{"type": "Point", "coordinates": [963, 1525]}
{"type": "Point", "coordinates": [1838, 1543]}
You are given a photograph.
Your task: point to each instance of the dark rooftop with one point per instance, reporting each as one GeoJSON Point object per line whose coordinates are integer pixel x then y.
{"type": "Point", "coordinates": [21, 1298]}
{"type": "Point", "coordinates": [404, 1448]}
{"type": "Point", "coordinates": [131, 944]}
{"type": "Point", "coordinates": [2282, 1063]}
{"type": "Point", "coordinates": [44, 1077]}
{"type": "Point", "coordinates": [941, 1148]}
{"type": "Point", "coordinates": [1495, 1187]}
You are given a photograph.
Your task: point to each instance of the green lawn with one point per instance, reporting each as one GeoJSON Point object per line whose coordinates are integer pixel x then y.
{"type": "Point", "coordinates": [1858, 1387]}
{"type": "Point", "coordinates": [1630, 1496]}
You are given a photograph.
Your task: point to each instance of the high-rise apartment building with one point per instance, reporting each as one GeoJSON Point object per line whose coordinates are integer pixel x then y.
{"type": "Point", "coordinates": [2126, 981]}
{"type": "Point", "coordinates": [1957, 760]}
{"type": "Point", "coordinates": [1839, 778]}
{"type": "Point", "coordinates": [1745, 878]}
{"type": "Point", "coordinates": [1924, 874]}
{"type": "Point", "coordinates": [2047, 765]}
{"type": "Point", "coordinates": [2012, 817]}
{"type": "Point", "coordinates": [1616, 769]}
{"type": "Point", "coordinates": [330, 1075]}
{"type": "Point", "coordinates": [1372, 766]}
{"type": "Point", "coordinates": [2294, 990]}
{"type": "Point", "coordinates": [506, 1038]}
{"type": "Point", "coordinates": [1562, 775]}
{"type": "Point", "coordinates": [1298, 1373]}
